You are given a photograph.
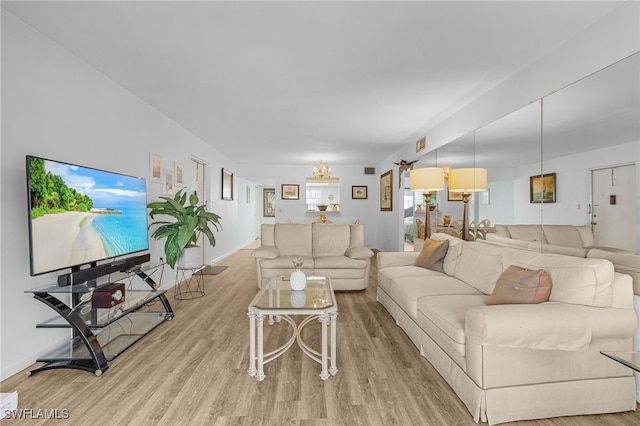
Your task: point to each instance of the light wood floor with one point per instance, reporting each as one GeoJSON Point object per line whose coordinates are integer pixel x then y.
{"type": "Point", "coordinates": [193, 370]}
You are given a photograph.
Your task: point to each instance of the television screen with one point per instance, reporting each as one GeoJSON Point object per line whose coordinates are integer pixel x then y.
{"type": "Point", "coordinates": [79, 215]}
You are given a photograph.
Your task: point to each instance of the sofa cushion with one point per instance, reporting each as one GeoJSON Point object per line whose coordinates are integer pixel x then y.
{"type": "Point", "coordinates": [293, 239]}
{"type": "Point", "coordinates": [330, 240]}
{"type": "Point", "coordinates": [548, 248]}
{"type": "Point", "coordinates": [339, 262]}
{"type": "Point", "coordinates": [406, 291]}
{"type": "Point", "coordinates": [432, 254]}
{"type": "Point", "coordinates": [265, 252]}
{"type": "Point", "coordinates": [453, 252]}
{"type": "Point", "coordinates": [563, 236]}
{"type": "Point", "coordinates": [286, 262]}
{"type": "Point", "coordinates": [359, 253]}
{"type": "Point", "coordinates": [448, 312]}
{"type": "Point", "coordinates": [357, 235]}
{"type": "Point", "coordinates": [480, 265]}
{"type": "Point", "coordinates": [576, 280]}
{"type": "Point", "coordinates": [518, 285]}
{"type": "Point", "coordinates": [527, 232]}
{"type": "Point", "coordinates": [586, 234]}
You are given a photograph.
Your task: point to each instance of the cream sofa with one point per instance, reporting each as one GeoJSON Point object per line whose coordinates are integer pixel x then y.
{"type": "Point", "coordinates": [331, 250]}
{"type": "Point", "coordinates": [519, 361]}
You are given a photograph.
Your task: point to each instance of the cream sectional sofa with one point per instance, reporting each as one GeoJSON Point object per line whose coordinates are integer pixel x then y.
{"type": "Point", "coordinates": [519, 361]}
{"type": "Point", "coordinates": [331, 250]}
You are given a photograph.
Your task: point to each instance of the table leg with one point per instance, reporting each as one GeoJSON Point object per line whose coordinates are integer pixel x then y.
{"type": "Point", "coordinates": [252, 344]}
{"type": "Point", "coordinates": [260, 376]}
{"type": "Point", "coordinates": [334, 368]}
{"type": "Point", "coordinates": [323, 325]}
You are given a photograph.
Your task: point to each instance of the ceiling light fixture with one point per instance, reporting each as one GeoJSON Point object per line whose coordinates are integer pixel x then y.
{"type": "Point", "coordinates": [322, 171]}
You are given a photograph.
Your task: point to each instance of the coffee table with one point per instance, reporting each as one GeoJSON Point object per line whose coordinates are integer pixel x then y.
{"type": "Point", "coordinates": [277, 301]}
{"type": "Point", "coordinates": [629, 358]}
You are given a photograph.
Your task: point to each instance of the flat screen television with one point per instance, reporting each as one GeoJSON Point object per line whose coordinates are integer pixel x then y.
{"type": "Point", "coordinates": [80, 216]}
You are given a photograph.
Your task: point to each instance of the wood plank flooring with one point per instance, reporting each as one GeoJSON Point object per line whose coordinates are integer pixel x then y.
{"type": "Point", "coordinates": [192, 370]}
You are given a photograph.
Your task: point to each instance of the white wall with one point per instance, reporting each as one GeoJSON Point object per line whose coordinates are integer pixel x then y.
{"type": "Point", "coordinates": [56, 106]}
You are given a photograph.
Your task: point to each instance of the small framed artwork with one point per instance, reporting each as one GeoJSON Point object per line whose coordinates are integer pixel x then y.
{"type": "Point", "coordinates": [359, 192]}
{"type": "Point", "coordinates": [290, 192]}
{"type": "Point", "coordinates": [168, 182]}
{"type": "Point", "coordinates": [269, 202]}
{"type": "Point", "coordinates": [227, 185]}
{"type": "Point", "coordinates": [178, 173]}
{"type": "Point", "coordinates": [454, 196]}
{"type": "Point", "coordinates": [155, 167]}
{"type": "Point", "coordinates": [421, 144]}
{"type": "Point", "coordinates": [542, 188]}
{"type": "Point", "coordinates": [386, 192]}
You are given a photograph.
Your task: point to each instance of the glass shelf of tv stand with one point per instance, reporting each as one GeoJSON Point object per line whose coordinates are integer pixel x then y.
{"type": "Point", "coordinates": [114, 338]}
{"type": "Point", "coordinates": [101, 317]}
{"type": "Point", "coordinates": [86, 287]}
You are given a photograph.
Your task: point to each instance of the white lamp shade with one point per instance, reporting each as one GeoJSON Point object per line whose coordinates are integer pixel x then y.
{"type": "Point", "coordinates": [468, 180]}
{"type": "Point", "coordinates": [427, 179]}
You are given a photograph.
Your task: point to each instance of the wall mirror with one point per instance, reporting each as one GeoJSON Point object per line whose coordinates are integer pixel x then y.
{"type": "Point", "coordinates": [591, 126]}
{"type": "Point", "coordinates": [323, 194]}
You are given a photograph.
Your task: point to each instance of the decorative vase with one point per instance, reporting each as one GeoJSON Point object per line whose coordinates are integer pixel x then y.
{"type": "Point", "coordinates": [298, 279]}
{"type": "Point", "coordinates": [190, 258]}
{"type": "Point", "coordinates": [298, 298]}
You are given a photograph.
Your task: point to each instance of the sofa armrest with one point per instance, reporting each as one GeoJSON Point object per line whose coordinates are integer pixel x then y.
{"type": "Point", "coordinates": [359, 253]}
{"type": "Point", "coordinates": [386, 259]}
{"type": "Point", "coordinates": [265, 252]}
{"type": "Point", "coordinates": [546, 326]}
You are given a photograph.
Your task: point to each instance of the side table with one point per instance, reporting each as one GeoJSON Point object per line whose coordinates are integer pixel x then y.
{"type": "Point", "coordinates": [189, 286]}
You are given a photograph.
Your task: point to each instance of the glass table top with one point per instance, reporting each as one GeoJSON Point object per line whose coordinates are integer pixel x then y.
{"type": "Point", "coordinates": [277, 294]}
{"type": "Point", "coordinates": [629, 358]}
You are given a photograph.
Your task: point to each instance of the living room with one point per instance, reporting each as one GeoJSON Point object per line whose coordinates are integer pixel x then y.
{"type": "Point", "coordinates": [58, 105]}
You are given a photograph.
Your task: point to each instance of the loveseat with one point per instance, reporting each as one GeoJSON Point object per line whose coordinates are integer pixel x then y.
{"type": "Point", "coordinates": [509, 362]}
{"type": "Point", "coordinates": [331, 250]}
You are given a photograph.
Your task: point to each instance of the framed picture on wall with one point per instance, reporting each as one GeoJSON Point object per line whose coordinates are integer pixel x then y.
{"type": "Point", "coordinates": [290, 192]}
{"type": "Point", "coordinates": [542, 188]}
{"type": "Point", "coordinates": [359, 192]}
{"type": "Point", "coordinates": [269, 202]}
{"type": "Point", "coordinates": [155, 167]}
{"type": "Point", "coordinates": [168, 182]}
{"type": "Point", "coordinates": [454, 196]}
{"type": "Point", "coordinates": [227, 185]}
{"type": "Point", "coordinates": [386, 192]}
{"type": "Point", "coordinates": [178, 173]}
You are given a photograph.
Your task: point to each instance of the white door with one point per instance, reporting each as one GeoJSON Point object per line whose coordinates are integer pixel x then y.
{"type": "Point", "coordinates": [614, 209]}
{"type": "Point", "coordinates": [197, 184]}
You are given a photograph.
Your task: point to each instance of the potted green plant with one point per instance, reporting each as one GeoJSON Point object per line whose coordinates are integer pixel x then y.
{"type": "Point", "coordinates": [190, 221]}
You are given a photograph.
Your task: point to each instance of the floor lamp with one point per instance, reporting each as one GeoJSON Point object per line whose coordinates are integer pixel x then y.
{"type": "Point", "coordinates": [466, 181]}
{"type": "Point", "coordinates": [427, 180]}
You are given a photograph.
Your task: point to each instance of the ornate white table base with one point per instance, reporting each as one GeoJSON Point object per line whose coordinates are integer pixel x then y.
{"type": "Point", "coordinates": [325, 315]}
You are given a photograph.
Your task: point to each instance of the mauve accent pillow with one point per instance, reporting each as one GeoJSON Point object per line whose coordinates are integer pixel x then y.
{"type": "Point", "coordinates": [519, 285]}
{"type": "Point", "coordinates": [432, 254]}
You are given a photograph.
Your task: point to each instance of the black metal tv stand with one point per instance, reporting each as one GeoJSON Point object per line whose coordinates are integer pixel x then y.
{"type": "Point", "coordinates": [101, 334]}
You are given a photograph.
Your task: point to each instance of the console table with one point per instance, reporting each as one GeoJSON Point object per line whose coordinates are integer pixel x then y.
{"type": "Point", "coordinates": [101, 334]}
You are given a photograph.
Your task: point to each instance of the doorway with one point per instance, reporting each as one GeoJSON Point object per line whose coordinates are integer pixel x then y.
{"type": "Point", "coordinates": [197, 185]}
{"type": "Point", "coordinates": [613, 216]}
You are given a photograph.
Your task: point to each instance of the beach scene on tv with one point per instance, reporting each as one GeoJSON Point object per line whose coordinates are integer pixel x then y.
{"type": "Point", "coordinates": [80, 215]}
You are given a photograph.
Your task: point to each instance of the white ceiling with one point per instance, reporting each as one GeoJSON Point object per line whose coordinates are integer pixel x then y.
{"type": "Point", "coordinates": [295, 82]}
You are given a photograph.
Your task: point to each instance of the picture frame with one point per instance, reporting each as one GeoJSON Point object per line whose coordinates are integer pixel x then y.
{"type": "Point", "coordinates": [359, 192]}
{"type": "Point", "coordinates": [227, 185]}
{"type": "Point", "coordinates": [290, 191]}
{"type": "Point", "coordinates": [421, 144]}
{"type": "Point", "coordinates": [178, 173]}
{"type": "Point", "coordinates": [454, 196]}
{"type": "Point", "coordinates": [386, 191]}
{"type": "Point", "coordinates": [542, 188]}
{"type": "Point", "coordinates": [155, 167]}
{"type": "Point", "coordinates": [269, 202]}
{"type": "Point", "coordinates": [168, 182]}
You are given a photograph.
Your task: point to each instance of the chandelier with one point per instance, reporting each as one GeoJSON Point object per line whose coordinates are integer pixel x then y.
{"type": "Point", "coordinates": [322, 171]}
